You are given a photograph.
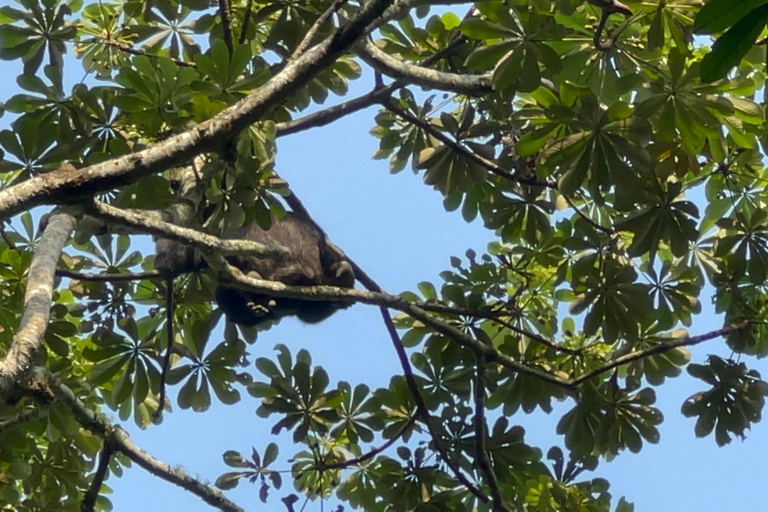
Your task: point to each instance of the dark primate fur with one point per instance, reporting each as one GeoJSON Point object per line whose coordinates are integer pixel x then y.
{"type": "Point", "coordinates": [309, 262]}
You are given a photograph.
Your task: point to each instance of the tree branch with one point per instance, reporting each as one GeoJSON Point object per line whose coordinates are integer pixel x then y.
{"type": "Point", "coordinates": [331, 114]}
{"type": "Point", "coordinates": [150, 224]}
{"type": "Point", "coordinates": [121, 441]}
{"type": "Point", "coordinates": [483, 461]}
{"type": "Point", "coordinates": [422, 410]}
{"type": "Point", "coordinates": [660, 349]}
{"type": "Point", "coordinates": [89, 500]}
{"type": "Point", "coordinates": [37, 301]}
{"type": "Point", "coordinates": [495, 316]}
{"type": "Point", "coordinates": [246, 21]}
{"type": "Point", "coordinates": [226, 25]}
{"type": "Point", "coordinates": [24, 417]}
{"type": "Point", "coordinates": [316, 26]}
{"type": "Point", "coordinates": [596, 225]}
{"type": "Point", "coordinates": [107, 278]}
{"type": "Point", "coordinates": [67, 185]}
{"type": "Point", "coordinates": [127, 48]}
{"type": "Point", "coordinates": [472, 85]}
{"type": "Point", "coordinates": [461, 150]}
{"type": "Point", "coordinates": [371, 454]}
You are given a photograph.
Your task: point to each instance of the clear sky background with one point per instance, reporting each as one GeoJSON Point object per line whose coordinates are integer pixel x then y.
{"type": "Point", "coordinates": [395, 228]}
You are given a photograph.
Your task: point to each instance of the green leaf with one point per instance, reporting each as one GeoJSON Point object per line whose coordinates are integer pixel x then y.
{"type": "Point", "coordinates": [732, 46]}
{"type": "Point", "coordinates": [718, 15]}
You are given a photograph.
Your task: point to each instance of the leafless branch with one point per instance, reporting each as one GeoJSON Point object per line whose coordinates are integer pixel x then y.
{"type": "Point", "coordinates": [37, 301]}
{"type": "Point", "coordinates": [89, 500]}
{"type": "Point", "coordinates": [225, 12]}
{"type": "Point", "coordinates": [481, 452]}
{"type": "Point", "coordinates": [107, 278]}
{"type": "Point", "coordinates": [473, 85]}
{"type": "Point", "coordinates": [246, 21]}
{"type": "Point", "coordinates": [422, 411]}
{"type": "Point", "coordinates": [149, 224]}
{"type": "Point", "coordinates": [331, 114]}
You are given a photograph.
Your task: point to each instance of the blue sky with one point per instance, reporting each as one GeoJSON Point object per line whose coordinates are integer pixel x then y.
{"type": "Point", "coordinates": [396, 228]}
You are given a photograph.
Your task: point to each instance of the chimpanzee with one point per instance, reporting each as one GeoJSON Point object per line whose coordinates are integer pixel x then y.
{"type": "Point", "coordinates": [309, 262]}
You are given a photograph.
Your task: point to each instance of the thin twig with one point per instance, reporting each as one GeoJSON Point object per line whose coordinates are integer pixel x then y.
{"type": "Point", "coordinates": [481, 452]}
{"type": "Point", "coordinates": [315, 28]}
{"type": "Point", "coordinates": [660, 349]}
{"type": "Point", "coordinates": [461, 150]}
{"type": "Point", "coordinates": [127, 48]}
{"type": "Point", "coordinates": [374, 452]}
{"type": "Point", "coordinates": [421, 408]}
{"type": "Point", "coordinates": [495, 316]}
{"type": "Point", "coordinates": [596, 225]}
{"type": "Point", "coordinates": [7, 239]}
{"type": "Point", "coordinates": [23, 417]}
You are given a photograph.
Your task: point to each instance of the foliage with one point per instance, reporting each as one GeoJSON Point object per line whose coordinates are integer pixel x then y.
{"type": "Point", "coordinates": [625, 181]}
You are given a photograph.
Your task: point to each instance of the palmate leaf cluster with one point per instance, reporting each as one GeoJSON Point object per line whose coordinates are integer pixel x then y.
{"type": "Point", "coordinates": [621, 165]}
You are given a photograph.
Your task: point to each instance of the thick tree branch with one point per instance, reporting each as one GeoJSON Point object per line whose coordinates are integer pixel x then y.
{"type": "Point", "coordinates": [107, 278]}
{"type": "Point", "coordinates": [67, 185]}
{"type": "Point", "coordinates": [121, 441]}
{"type": "Point", "coordinates": [331, 114]}
{"type": "Point", "coordinates": [150, 224]}
{"type": "Point", "coordinates": [37, 301]}
{"type": "Point", "coordinates": [472, 85]}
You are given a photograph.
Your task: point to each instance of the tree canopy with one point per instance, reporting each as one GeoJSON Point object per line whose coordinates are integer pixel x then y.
{"type": "Point", "coordinates": [615, 151]}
